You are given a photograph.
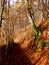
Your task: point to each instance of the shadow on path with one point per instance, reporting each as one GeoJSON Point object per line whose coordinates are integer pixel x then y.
{"type": "Point", "coordinates": [15, 57]}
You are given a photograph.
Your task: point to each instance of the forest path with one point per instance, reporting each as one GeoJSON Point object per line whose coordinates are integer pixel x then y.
{"type": "Point", "coordinates": [20, 54]}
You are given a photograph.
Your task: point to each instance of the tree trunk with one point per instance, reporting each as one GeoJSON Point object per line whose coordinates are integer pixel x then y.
{"type": "Point", "coordinates": [29, 16]}
{"type": "Point", "coordinates": [2, 4]}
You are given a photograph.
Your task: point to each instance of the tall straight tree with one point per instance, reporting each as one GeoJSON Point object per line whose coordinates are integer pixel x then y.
{"type": "Point", "coordinates": [9, 29]}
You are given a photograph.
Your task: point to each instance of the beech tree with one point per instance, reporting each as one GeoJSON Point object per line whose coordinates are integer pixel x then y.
{"type": "Point", "coordinates": [31, 20]}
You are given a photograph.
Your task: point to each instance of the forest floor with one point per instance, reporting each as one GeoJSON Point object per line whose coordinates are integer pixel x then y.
{"type": "Point", "coordinates": [20, 54]}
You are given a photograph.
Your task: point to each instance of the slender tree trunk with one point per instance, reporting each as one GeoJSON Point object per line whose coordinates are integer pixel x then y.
{"type": "Point", "coordinates": [3, 2]}
{"type": "Point", "coordinates": [29, 16]}
{"type": "Point", "coordinates": [9, 32]}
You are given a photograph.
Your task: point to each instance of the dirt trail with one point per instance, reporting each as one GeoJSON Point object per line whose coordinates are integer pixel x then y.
{"type": "Point", "coordinates": [20, 54]}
